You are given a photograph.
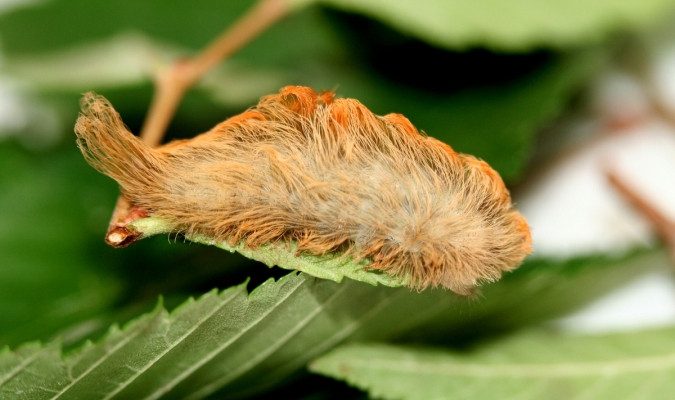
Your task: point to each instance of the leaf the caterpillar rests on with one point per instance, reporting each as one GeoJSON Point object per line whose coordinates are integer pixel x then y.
{"type": "Point", "coordinates": [332, 266]}
{"type": "Point", "coordinates": [321, 176]}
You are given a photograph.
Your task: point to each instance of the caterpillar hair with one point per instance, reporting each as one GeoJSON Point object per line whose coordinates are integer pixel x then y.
{"type": "Point", "coordinates": [328, 174]}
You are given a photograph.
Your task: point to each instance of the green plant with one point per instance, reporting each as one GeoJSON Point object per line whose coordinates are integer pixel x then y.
{"type": "Point", "coordinates": [231, 328]}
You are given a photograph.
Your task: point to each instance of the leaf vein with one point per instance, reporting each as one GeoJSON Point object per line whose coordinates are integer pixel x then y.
{"type": "Point", "coordinates": [189, 371]}
{"type": "Point", "coordinates": [147, 366]}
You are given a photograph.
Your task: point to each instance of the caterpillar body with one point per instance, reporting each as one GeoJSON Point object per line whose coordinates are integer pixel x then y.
{"type": "Point", "coordinates": [328, 174]}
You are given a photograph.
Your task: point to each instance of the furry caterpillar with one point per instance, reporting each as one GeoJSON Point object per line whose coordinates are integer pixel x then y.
{"type": "Point", "coordinates": [328, 174]}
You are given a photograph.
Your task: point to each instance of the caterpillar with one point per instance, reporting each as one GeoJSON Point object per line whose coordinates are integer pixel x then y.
{"type": "Point", "coordinates": [328, 174]}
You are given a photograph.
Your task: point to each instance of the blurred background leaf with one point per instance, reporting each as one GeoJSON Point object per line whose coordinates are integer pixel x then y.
{"type": "Point", "coordinates": [48, 277]}
{"type": "Point", "coordinates": [530, 365]}
{"type": "Point", "coordinates": [516, 26]}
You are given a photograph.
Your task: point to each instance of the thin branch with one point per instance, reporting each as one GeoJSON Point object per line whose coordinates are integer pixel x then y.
{"type": "Point", "coordinates": [663, 226]}
{"type": "Point", "coordinates": [171, 85]}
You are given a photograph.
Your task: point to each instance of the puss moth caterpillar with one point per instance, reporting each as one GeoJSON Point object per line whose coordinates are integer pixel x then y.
{"type": "Point", "coordinates": [326, 173]}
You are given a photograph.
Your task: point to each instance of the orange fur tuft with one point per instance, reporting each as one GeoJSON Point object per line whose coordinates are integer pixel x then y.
{"type": "Point", "coordinates": [328, 174]}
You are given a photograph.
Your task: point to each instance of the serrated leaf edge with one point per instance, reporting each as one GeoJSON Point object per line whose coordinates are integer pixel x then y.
{"type": "Point", "coordinates": [171, 384]}
{"type": "Point", "coordinates": [140, 323]}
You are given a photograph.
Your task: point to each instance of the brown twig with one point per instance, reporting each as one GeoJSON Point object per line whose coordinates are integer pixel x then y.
{"type": "Point", "coordinates": [664, 226]}
{"type": "Point", "coordinates": [171, 85]}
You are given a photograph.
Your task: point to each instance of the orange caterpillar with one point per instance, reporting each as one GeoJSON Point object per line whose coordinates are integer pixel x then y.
{"type": "Point", "coordinates": [328, 174]}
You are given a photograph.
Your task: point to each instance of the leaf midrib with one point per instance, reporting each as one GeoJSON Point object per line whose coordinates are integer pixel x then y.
{"type": "Point", "coordinates": [344, 332]}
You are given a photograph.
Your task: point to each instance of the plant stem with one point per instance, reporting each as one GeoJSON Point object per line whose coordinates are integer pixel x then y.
{"type": "Point", "coordinates": [664, 226]}
{"type": "Point", "coordinates": [171, 85]}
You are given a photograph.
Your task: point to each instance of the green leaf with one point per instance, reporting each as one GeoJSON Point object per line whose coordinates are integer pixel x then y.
{"type": "Point", "coordinates": [202, 346]}
{"type": "Point", "coordinates": [151, 355]}
{"type": "Point", "coordinates": [239, 344]}
{"type": "Point", "coordinates": [639, 365]}
{"type": "Point", "coordinates": [329, 266]}
{"type": "Point", "coordinates": [516, 25]}
{"type": "Point", "coordinates": [13, 367]}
